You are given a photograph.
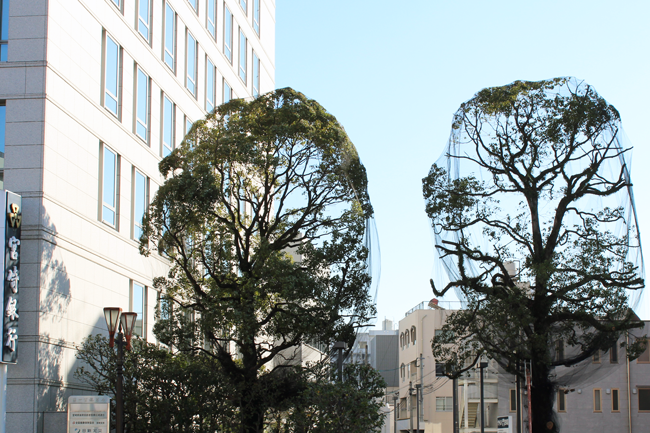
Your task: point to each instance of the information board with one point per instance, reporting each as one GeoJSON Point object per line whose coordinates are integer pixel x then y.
{"type": "Point", "coordinates": [89, 414]}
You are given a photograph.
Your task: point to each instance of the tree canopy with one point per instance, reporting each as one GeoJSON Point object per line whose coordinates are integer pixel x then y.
{"type": "Point", "coordinates": [534, 220]}
{"type": "Point", "coordinates": [263, 218]}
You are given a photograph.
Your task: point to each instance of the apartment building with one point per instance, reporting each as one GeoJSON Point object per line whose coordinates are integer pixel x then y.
{"type": "Point", "coordinates": [93, 94]}
{"type": "Point", "coordinates": [606, 392]}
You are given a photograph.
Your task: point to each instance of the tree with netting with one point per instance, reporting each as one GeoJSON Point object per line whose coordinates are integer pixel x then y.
{"type": "Point", "coordinates": [534, 223]}
{"type": "Point", "coordinates": [263, 217]}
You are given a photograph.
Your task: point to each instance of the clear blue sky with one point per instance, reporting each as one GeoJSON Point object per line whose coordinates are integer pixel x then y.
{"type": "Point", "coordinates": [393, 73]}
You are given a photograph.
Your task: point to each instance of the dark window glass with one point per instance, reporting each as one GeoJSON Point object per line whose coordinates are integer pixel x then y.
{"type": "Point", "coordinates": [644, 399]}
{"type": "Point", "coordinates": [615, 407]}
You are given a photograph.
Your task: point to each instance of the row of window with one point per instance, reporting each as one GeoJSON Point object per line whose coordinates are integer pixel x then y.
{"type": "Point", "coordinates": [407, 337]}
{"type": "Point", "coordinates": [110, 184]}
{"type": "Point", "coordinates": [169, 28]}
{"type": "Point", "coordinates": [142, 92]}
{"type": "Point", "coordinates": [614, 406]}
{"type": "Point", "coordinates": [4, 29]}
{"type": "Point", "coordinates": [597, 356]}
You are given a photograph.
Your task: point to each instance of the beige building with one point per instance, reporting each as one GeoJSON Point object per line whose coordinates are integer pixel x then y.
{"type": "Point", "coordinates": [417, 368]}
{"type": "Point", "coordinates": [93, 94]}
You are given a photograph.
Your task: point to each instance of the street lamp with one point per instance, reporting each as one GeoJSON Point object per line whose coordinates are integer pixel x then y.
{"type": "Point", "coordinates": [126, 322]}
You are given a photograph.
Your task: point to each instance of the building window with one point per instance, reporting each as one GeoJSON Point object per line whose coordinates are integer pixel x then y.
{"type": "Point", "coordinates": [227, 33]}
{"type": "Point", "coordinates": [110, 174]}
{"type": "Point", "coordinates": [190, 66]}
{"type": "Point", "coordinates": [402, 371]}
{"type": "Point", "coordinates": [144, 18]}
{"type": "Point", "coordinates": [645, 356]}
{"type": "Point", "coordinates": [3, 121]}
{"type": "Point", "coordinates": [212, 18]}
{"type": "Point", "coordinates": [615, 406]}
{"type": "Point", "coordinates": [613, 354]}
{"type": "Point", "coordinates": [596, 357]}
{"type": "Point", "coordinates": [188, 125]}
{"type": "Point", "coordinates": [195, 5]}
{"type": "Point", "coordinates": [559, 350]}
{"type": "Point", "coordinates": [210, 94]}
{"type": "Point", "coordinates": [140, 201]}
{"type": "Point", "coordinates": [227, 91]}
{"type": "Point", "coordinates": [644, 399]}
{"type": "Point", "coordinates": [513, 400]}
{"type": "Point", "coordinates": [413, 335]}
{"type": "Point", "coordinates": [4, 29]}
{"type": "Point", "coordinates": [169, 54]}
{"type": "Point", "coordinates": [111, 75]}
{"type": "Point", "coordinates": [561, 400]}
{"type": "Point", "coordinates": [168, 122]}
{"type": "Point", "coordinates": [118, 3]}
{"type": "Point", "coordinates": [403, 408]}
{"type": "Point", "coordinates": [242, 55]}
{"type": "Point", "coordinates": [256, 16]}
{"type": "Point", "coordinates": [142, 105]}
{"type": "Point", "coordinates": [138, 303]}
{"type": "Point", "coordinates": [244, 5]}
{"type": "Point", "coordinates": [256, 75]}
{"type": "Point", "coordinates": [444, 404]}
{"type": "Point", "coordinates": [597, 401]}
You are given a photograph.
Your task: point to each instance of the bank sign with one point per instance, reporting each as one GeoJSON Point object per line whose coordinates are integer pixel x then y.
{"type": "Point", "coordinates": [11, 223]}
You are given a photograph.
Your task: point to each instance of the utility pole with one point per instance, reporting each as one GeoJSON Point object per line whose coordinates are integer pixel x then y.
{"type": "Point", "coordinates": [410, 407]}
{"type": "Point", "coordinates": [455, 404]}
{"type": "Point", "coordinates": [418, 393]}
{"type": "Point", "coordinates": [395, 410]}
{"type": "Point", "coordinates": [518, 399]}
{"type": "Point", "coordinates": [529, 379]}
{"type": "Point", "coordinates": [422, 381]}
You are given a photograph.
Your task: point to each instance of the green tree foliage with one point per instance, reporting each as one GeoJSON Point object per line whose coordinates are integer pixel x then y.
{"type": "Point", "coordinates": [540, 162]}
{"type": "Point", "coordinates": [262, 216]}
{"type": "Point", "coordinates": [163, 392]}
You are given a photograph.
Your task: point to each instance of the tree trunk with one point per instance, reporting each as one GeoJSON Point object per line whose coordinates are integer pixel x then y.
{"type": "Point", "coordinates": [543, 398]}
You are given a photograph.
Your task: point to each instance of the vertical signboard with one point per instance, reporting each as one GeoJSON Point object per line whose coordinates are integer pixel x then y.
{"type": "Point", "coordinates": [88, 414]}
{"type": "Point", "coordinates": [11, 222]}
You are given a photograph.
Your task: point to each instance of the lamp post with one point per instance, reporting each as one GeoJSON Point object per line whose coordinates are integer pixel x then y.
{"type": "Point", "coordinates": [482, 364]}
{"type": "Point", "coordinates": [395, 408]}
{"type": "Point", "coordinates": [126, 322]}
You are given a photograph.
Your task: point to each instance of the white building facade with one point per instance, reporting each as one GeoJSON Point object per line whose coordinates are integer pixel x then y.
{"type": "Point", "coordinates": [93, 94]}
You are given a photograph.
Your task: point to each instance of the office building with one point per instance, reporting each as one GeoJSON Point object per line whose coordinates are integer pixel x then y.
{"type": "Point", "coordinates": [93, 94]}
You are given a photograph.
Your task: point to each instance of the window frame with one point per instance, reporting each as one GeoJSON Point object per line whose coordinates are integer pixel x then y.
{"type": "Point", "coordinates": [597, 400]}
{"type": "Point", "coordinates": [172, 126]}
{"type": "Point", "coordinates": [446, 407]}
{"type": "Point", "coordinates": [512, 398]}
{"type": "Point", "coordinates": [595, 358]}
{"type": "Point", "coordinates": [115, 207]}
{"type": "Point", "coordinates": [193, 80]}
{"type": "Point", "coordinates": [135, 226]}
{"type": "Point", "coordinates": [256, 75]}
{"type": "Point", "coordinates": [228, 33]}
{"type": "Point", "coordinates": [561, 400]}
{"type": "Point", "coordinates": [644, 358]}
{"type": "Point", "coordinates": [210, 84]}
{"type": "Point", "coordinates": [256, 16]}
{"type": "Point", "coordinates": [117, 98]}
{"type": "Point", "coordinates": [613, 354]}
{"type": "Point", "coordinates": [644, 389]}
{"type": "Point", "coordinates": [616, 400]}
{"type": "Point", "coordinates": [194, 5]}
{"type": "Point", "coordinates": [165, 52]}
{"type": "Point", "coordinates": [4, 29]}
{"type": "Point", "coordinates": [211, 18]}
{"type": "Point", "coordinates": [139, 122]}
{"type": "Point", "coordinates": [227, 89]}
{"type": "Point", "coordinates": [132, 307]}
{"type": "Point", "coordinates": [243, 4]}
{"type": "Point", "coordinates": [243, 54]}
{"type": "Point", "coordinates": [138, 19]}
